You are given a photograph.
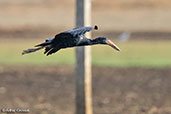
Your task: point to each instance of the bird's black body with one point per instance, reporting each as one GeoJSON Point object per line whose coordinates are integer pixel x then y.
{"type": "Point", "coordinates": [67, 39]}
{"type": "Point", "coordinates": [64, 40]}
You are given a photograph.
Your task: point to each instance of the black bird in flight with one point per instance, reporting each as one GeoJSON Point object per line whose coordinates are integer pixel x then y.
{"type": "Point", "coordinates": [71, 38]}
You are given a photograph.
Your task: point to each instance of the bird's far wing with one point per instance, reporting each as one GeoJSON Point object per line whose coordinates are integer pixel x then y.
{"type": "Point", "coordinates": [76, 32]}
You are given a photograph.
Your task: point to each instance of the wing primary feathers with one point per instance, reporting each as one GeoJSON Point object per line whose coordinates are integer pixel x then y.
{"type": "Point", "coordinates": [52, 51]}
{"type": "Point", "coordinates": [96, 27]}
{"type": "Point", "coordinates": [47, 49]}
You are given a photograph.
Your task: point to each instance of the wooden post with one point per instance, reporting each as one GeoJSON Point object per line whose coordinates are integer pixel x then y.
{"type": "Point", "coordinates": [83, 62]}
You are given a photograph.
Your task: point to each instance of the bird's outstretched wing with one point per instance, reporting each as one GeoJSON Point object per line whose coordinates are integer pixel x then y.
{"type": "Point", "coordinates": [76, 32]}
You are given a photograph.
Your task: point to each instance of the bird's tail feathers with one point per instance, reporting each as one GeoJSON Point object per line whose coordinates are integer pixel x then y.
{"type": "Point", "coordinates": [31, 50]}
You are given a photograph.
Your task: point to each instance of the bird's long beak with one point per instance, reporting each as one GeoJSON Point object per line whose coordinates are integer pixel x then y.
{"type": "Point", "coordinates": [110, 43]}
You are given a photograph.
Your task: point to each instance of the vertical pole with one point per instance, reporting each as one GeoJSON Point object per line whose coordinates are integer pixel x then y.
{"type": "Point", "coordinates": [83, 62]}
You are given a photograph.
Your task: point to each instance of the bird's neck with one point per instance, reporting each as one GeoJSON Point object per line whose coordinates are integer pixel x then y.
{"type": "Point", "coordinates": [92, 42]}
{"type": "Point", "coordinates": [96, 41]}
{"type": "Point", "coordinates": [85, 42]}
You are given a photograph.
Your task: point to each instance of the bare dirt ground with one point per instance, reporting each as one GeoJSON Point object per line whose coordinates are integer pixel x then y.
{"type": "Point", "coordinates": [51, 90]}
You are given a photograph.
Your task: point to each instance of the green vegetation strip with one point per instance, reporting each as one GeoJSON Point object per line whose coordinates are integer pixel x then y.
{"type": "Point", "coordinates": [132, 54]}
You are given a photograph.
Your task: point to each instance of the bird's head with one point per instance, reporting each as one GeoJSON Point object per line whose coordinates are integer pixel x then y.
{"type": "Point", "coordinates": [103, 40]}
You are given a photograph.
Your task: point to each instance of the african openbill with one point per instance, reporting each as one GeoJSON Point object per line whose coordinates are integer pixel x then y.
{"type": "Point", "coordinates": [71, 38]}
